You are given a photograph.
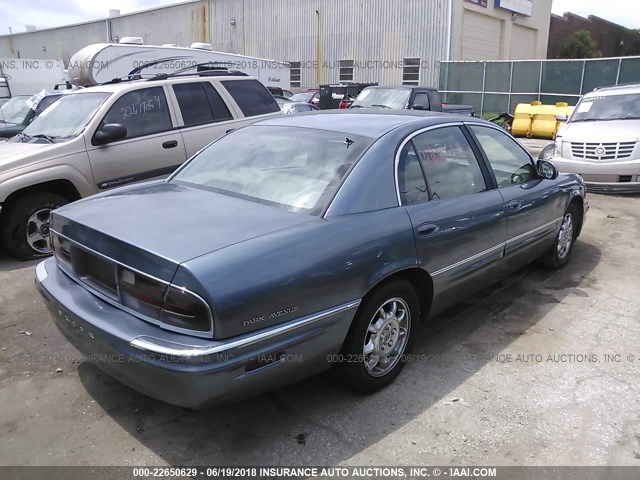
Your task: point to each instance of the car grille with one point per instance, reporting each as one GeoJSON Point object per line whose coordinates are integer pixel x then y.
{"type": "Point", "coordinates": [603, 151]}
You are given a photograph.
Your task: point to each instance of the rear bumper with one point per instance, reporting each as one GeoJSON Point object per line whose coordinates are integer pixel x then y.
{"type": "Point", "coordinates": [604, 177]}
{"type": "Point", "coordinates": [188, 371]}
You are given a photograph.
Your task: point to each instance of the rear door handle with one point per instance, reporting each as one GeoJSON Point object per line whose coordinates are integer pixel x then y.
{"type": "Point", "coordinates": [428, 229]}
{"type": "Point", "coordinates": [170, 144]}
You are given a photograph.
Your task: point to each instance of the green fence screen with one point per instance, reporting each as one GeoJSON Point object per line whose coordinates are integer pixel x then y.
{"type": "Point", "coordinates": [496, 87]}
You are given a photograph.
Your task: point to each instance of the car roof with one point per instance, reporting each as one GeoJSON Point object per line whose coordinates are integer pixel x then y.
{"type": "Point", "coordinates": [135, 84]}
{"type": "Point", "coordinates": [372, 123]}
{"type": "Point", "coordinates": [633, 88]}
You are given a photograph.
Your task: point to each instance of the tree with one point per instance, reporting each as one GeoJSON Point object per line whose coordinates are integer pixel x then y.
{"type": "Point", "coordinates": [633, 47]}
{"type": "Point", "coordinates": [580, 45]}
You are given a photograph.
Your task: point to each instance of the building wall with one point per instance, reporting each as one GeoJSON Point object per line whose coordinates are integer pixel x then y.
{"type": "Point", "coordinates": [611, 38]}
{"type": "Point", "coordinates": [181, 24]}
{"type": "Point", "coordinates": [323, 32]}
{"type": "Point", "coordinates": [482, 31]}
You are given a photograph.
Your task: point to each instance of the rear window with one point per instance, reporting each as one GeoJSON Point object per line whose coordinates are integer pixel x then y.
{"type": "Point", "coordinates": [252, 97]}
{"type": "Point", "coordinates": [298, 169]}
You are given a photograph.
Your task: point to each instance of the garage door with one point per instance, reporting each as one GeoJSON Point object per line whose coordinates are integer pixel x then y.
{"type": "Point", "coordinates": [481, 36]}
{"type": "Point", "coordinates": [523, 46]}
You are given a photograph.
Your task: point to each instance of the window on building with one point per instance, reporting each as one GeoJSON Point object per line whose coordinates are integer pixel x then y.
{"type": "Point", "coordinates": [411, 71]}
{"type": "Point", "coordinates": [295, 75]}
{"type": "Point", "coordinates": [346, 70]}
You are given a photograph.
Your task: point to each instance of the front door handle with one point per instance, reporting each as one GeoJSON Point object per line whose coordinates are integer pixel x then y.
{"type": "Point", "coordinates": [428, 229]}
{"type": "Point", "coordinates": [515, 206]}
{"type": "Point", "coordinates": [170, 144]}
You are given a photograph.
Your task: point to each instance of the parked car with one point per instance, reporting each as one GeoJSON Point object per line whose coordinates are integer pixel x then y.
{"type": "Point", "coordinates": [300, 243]}
{"type": "Point", "coordinates": [278, 91]}
{"type": "Point", "coordinates": [408, 97]}
{"type": "Point", "coordinates": [290, 108]}
{"type": "Point", "coordinates": [601, 141]}
{"type": "Point", "coordinates": [111, 135]}
{"type": "Point", "coordinates": [21, 110]}
{"type": "Point", "coordinates": [340, 95]}
{"type": "Point", "coordinates": [281, 99]}
{"type": "Point", "coordinates": [310, 96]}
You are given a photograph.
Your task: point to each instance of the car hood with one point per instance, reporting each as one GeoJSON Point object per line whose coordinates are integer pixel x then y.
{"type": "Point", "coordinates": [601, 131]}
{"type": "Point", "coordinates": [156, 226]}
{"type": "Point", "coordinates": [15, 153]}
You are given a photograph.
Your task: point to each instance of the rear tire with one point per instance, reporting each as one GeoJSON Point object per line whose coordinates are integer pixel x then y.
{"type": "Point", "coordinates": [560, 252]}
{"type": "Point", "coordinates": [25, 225]}
{"type": "Point", "coordinates": [380, 337]}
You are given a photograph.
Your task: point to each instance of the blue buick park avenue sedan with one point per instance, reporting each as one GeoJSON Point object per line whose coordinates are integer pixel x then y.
{"type": "Point", "coordinates": [298, 244]}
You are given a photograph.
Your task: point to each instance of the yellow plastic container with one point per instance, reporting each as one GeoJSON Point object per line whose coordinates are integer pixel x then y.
{"type": "Point", "coordinates": [544, 123]}
{"type": "Point", "coordinates": [539, 121]}
{"type": "Point", "coordinates": [521, 126]}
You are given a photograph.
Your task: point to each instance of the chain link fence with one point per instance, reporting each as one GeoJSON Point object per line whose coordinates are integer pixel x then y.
{"type": "Point", "coordinates": [498, 86]}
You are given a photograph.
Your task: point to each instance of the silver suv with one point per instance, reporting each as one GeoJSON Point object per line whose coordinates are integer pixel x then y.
{"type": "Point", "coordinates": [111, 135]}
{"type": "Point", "coordinates": [601, 140]}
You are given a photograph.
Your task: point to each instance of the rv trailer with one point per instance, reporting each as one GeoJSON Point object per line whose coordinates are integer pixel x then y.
{"type": "Point", "coordinates": [103, 62]}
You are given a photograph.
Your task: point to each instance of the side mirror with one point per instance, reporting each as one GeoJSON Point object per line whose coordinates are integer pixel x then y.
{"type": "Point", "coordinates": [418, 107]}
{"type": "Point", "coordinates": [110, 132]}
{"type": "Point", "coordinates": [547, 170]}
{"type": "Point", "coordinates": [562, 117]}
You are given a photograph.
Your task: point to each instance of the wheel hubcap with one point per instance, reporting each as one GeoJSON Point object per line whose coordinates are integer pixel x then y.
{"type": "Point", "coordinates": [38, 231]}
{"type": "Point", "coordinates": [386, 337]}
{"type": "Point", "coordinates": [565, 237]}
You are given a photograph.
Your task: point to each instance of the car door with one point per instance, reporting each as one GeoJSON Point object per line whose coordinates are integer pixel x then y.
{"type": "Point", "coordinates": [459, 221]}
{"type": "Point", "coordinates": [152, 147]}
{"type": "Point", "coordinates": [203, 116]}
{"type": "Point", "coordinates": [534, 205]}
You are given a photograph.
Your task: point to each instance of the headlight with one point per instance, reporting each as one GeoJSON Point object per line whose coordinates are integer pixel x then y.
{"type": "Point", "coordinates": [557, 151]}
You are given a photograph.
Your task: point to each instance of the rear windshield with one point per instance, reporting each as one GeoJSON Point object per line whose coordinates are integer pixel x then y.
{"type": "Point", "coordinates": [298, 169]}
{"type": "Point", "coordinates": [609, 107]}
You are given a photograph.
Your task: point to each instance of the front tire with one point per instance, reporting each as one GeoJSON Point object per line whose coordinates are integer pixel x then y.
{"type": "Point", "coordinates": [380, 337]}
{"type": "Point", "coordinates": [560, 252]}
{"type": "Point", "coordinates": [25, 225]}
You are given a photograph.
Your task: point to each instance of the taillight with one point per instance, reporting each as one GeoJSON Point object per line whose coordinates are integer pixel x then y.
{"type": "Point", "coordinates": [141, 293]}
{"type": "Point", "coordinates": [343, 104]}
{"type": "Point", "coordinates": [183, 309]}
{"type": "Point", "coordinates": [173, 306]}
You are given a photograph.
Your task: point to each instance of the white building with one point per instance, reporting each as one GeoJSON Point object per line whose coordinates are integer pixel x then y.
{"type": "Point", "coordinates": [387, 41]}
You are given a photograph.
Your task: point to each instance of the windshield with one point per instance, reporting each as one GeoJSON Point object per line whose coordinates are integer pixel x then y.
{"type": "Point", "coordinates": [67, 117]}
{"type": "Point", "coordinates": [298, 169]}
{"type": "Point", "coordinates": [610, 107]}
{"type": "Point", "coordinates": [302, 97]}
{"type": "Point", "coordinates": [15, 110]}
{"type": "Point", "coordinates": [396, 98]}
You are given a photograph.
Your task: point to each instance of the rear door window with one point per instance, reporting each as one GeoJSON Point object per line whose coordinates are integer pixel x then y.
{"type": "Point", "coordinates": [252, 97]}
{"type": "Point", "coordinates": [200, 103]}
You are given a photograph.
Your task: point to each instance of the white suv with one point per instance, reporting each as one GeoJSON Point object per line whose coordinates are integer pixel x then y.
{"type": "Point", "coordinates": [112, 135]}
{"type": "Point", "coordinates": [601, 140]}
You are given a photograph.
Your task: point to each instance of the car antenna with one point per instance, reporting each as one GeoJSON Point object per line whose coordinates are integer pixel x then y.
{"type": "Point", "coordinates": [348, 141]}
